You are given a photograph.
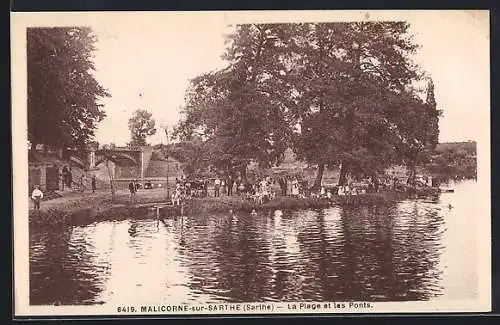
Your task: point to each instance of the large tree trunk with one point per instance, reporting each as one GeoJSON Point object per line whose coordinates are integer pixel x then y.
{"type": "Point", "coordinates": [319, 176]}
{"type": "Point", "coordinates": [111, 182]}
{"type": "Point", "coordinates": [343, 174]}
{"type": "Point", "coordinates": [376, 183]}
{"type": "Point", "coordinates": [413, 174]}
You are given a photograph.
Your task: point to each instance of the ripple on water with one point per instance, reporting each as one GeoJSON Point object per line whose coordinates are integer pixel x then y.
{"type": "Point", "coordinates": [398, 252]}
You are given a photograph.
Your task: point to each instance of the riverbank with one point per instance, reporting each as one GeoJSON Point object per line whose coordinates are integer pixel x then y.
{"type": "Point", "coordinates": [86, 208]}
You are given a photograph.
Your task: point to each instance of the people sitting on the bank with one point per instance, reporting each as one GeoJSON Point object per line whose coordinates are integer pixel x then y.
{"type": "Point", "coordinates": [257, 198]}
{"type": "Point", "coordinates": [37, 196]}
{"type": "Point", "coordinates": [197, 188]}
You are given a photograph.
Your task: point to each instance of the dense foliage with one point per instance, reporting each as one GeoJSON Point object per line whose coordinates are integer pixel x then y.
{"type": "Point", "coordinates": [141, 125]}
{"type": "Point", "coordinates": [337, 93]}
{"type": "Point", "coordinates": [454, 159]}
{"type": "Point", "coordinates": [63, 95]}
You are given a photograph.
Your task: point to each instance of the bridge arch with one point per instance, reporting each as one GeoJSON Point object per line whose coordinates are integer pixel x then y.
{"type": "Point", "coordinates": [119, 158]}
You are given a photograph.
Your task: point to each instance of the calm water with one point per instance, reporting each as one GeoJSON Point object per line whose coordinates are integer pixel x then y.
{"type": "Point", "coordinates": [413, 250]}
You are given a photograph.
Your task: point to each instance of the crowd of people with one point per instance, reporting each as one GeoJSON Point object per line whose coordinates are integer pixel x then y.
{"type": "Point", "coordinates": [260, 191]}
{"type": "Point", "coordinates": [80, 184]}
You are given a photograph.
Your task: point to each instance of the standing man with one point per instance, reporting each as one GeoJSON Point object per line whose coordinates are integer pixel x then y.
{"type": "Point", "coordinates": [295, 187]}
{"type": "Point", "coordinates": [283, 185]}
{"type": "Point", "coordinates": [81, 183]}
{"type": "Point", "coordinates": [205, 188]}
{"type": "Point", "coordinates": [65, 177]}
{"type": "Point", "coordinates": [37, 196]}
{"type": "Point", "coordinates": [223, 186]}
{"type": "Point", "coordinates": [132, 189]}
{"type": "Point", "coordinates": [93, 184]}
{"type": "Point", "coordinates": [230, 183]}
{"type": "Point", "coordinates": [216, 186]}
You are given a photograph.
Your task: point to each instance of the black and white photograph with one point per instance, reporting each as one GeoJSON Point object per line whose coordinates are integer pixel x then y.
{"type": "Point", "coordinates": [264, 162]}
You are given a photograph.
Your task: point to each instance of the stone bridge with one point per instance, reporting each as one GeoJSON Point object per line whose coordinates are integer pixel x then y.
{"type": "Point", "coordinates": [128, 162]}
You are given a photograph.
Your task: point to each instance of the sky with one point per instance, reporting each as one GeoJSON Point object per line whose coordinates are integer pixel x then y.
{"type": "Point", "coordinates": [146, 62]}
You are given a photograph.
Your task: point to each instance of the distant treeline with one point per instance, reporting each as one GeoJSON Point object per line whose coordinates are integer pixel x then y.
{"type": "Point", "coordinates": [454, 159]}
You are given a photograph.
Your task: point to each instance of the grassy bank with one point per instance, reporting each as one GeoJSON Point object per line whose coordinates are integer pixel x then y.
{"type": "Point", "coordinates": [85, 212]}
{"type": "Point", "coordinates": [99, 207]}
{"type": "Point", "coordinates": [235, 203]}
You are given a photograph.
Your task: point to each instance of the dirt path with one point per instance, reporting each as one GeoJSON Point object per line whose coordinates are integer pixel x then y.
{"type": "Point", "coordinates": [78, 200]}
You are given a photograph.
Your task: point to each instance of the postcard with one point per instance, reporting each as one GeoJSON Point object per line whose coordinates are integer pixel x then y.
{"type": "Point", "coordinates": [251, 162]}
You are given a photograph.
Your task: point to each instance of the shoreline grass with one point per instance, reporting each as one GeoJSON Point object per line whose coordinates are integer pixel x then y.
{"type": "Point", "coordinates": [99, 207]}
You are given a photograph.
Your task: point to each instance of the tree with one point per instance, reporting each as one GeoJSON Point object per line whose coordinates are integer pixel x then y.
{"type": "Point", "coordinates": [237, 110]}
{"type": "Point", "coordinates": [63, 95]}
{"type": "Point", "coordinates": [109, 157]}
{"type": "Point", "coordinates": [141, 125]}
{"type": "Point", "coordinates": [355, 86]}
{"type": "Point", "coordinates": [339, 93]}
{"type": "Point", "coordinates": [193, 156]}
{"type": "Point", "coordinates": [434, 114]}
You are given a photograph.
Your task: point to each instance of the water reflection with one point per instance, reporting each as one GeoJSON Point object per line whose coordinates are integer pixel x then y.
{"type": "Point", "coordinates": [406, 251]}
{"type": "Point", "coordinates": [64, 267]}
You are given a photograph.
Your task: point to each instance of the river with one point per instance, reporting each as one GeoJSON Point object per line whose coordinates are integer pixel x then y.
{"type": "Point", "coordinates": [412, 250]}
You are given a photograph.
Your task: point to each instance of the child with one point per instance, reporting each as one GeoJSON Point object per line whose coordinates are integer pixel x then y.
{"type": "Point", "coordinates": [176, 197]}
{"type": "Point", "coordinates": [37, 196]}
